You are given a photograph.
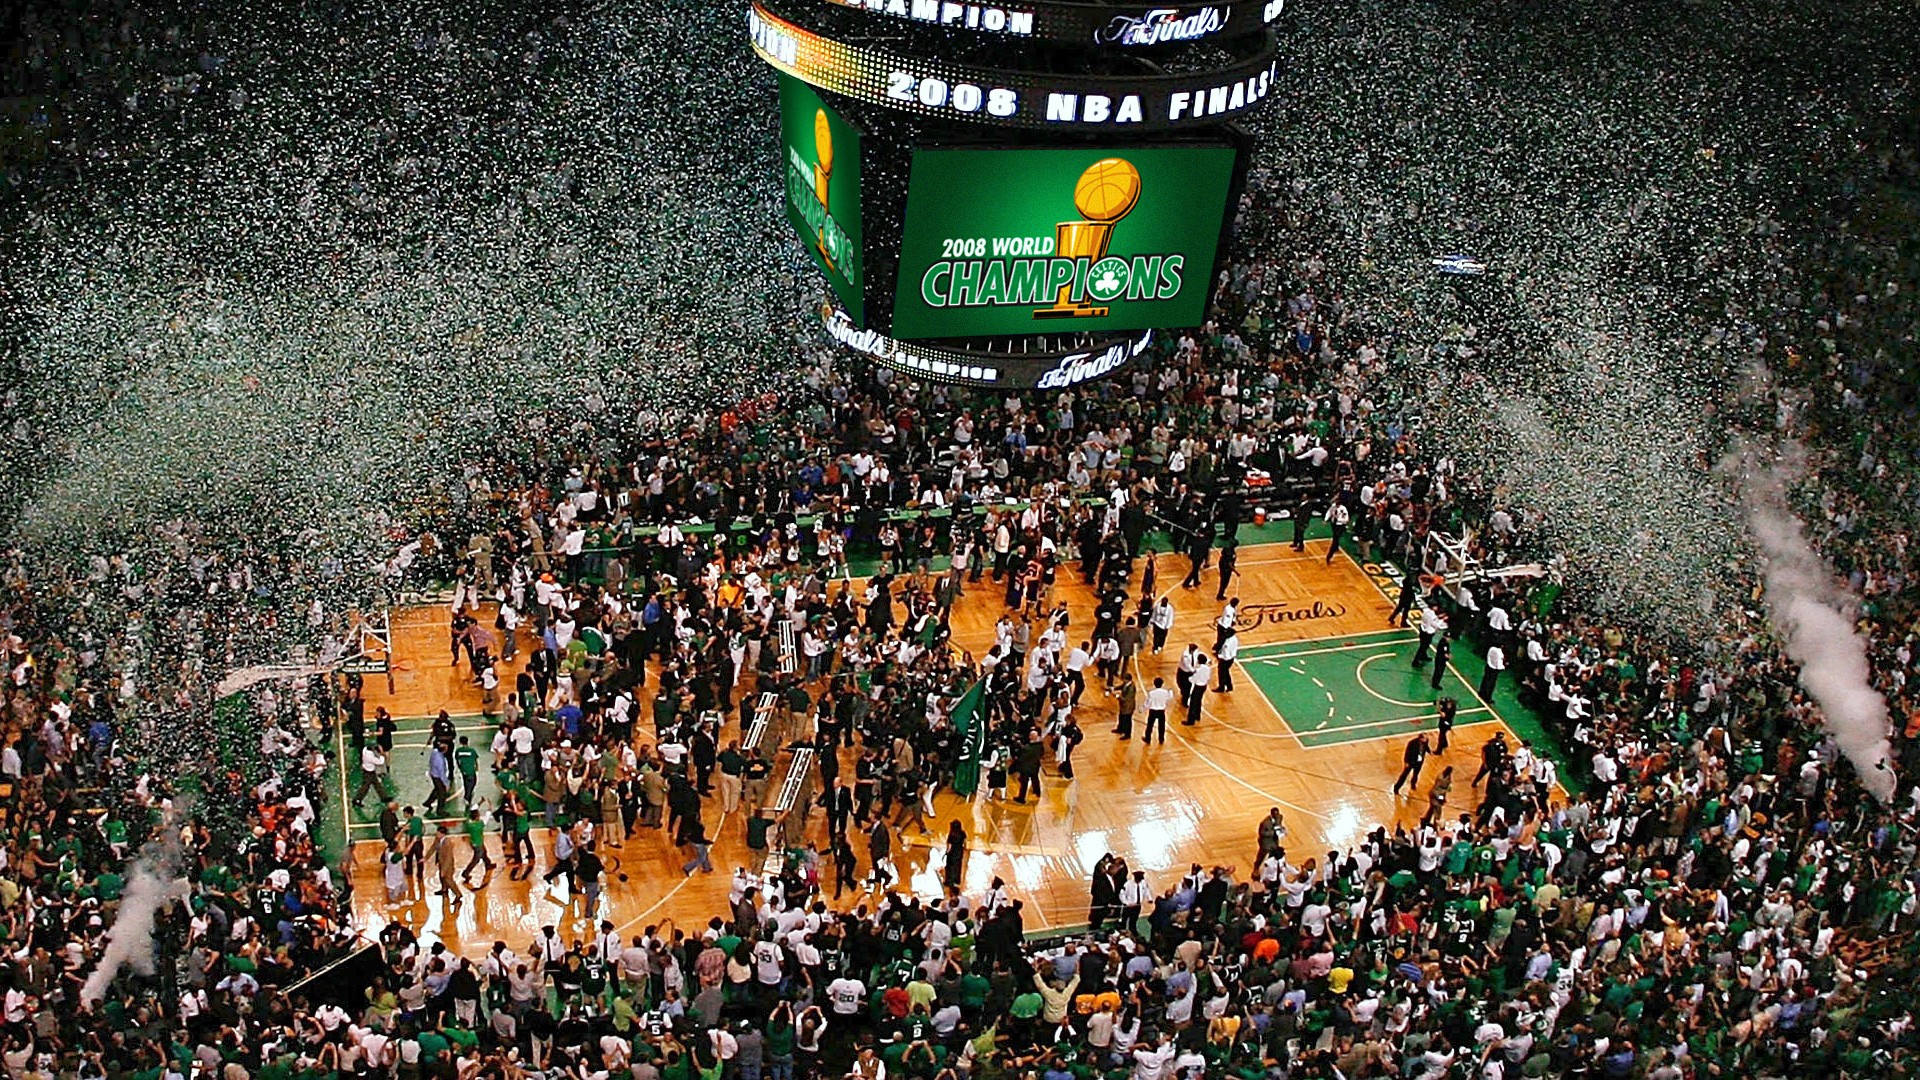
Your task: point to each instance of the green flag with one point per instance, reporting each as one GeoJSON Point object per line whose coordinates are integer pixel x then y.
{"type": "Point", "coordinates": [972, 729]}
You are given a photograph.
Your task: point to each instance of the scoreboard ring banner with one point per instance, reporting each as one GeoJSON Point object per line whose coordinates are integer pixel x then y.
{"type": "Point", "coordinates": [956, 367]}
{"type": "Point", "coordinates": [1122, 25]}
{"type": "Point", "coordinates": [1009, 98]}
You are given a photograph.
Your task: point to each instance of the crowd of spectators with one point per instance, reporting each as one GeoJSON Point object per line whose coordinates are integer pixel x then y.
{"type": "Point", "coordinates": [1716, 896]}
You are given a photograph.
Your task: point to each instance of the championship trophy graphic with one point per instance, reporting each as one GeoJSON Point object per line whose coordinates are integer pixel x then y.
{"type": "Point", "coordinates": [822, 176]}
{"type": "Point", "coordinates": [1104, 194]}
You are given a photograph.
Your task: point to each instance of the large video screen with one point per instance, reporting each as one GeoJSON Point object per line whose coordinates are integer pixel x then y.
{"type": "Point", "coordinates": [820, 155]}
{"type": "Point", "coordinates": [1034, 241]}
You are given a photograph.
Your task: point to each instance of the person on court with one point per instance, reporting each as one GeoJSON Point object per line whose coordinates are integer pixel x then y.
{"type": "Point", "coordinates": [1226, 654]}
{"type": "Point", "coordinates": [1183, 673]}
{"type": "Point", "coordinates": [1159, 699]}
{"type": "Point", "coordinates": [1409, 592]}
{"type": "Point", "coordinates": [1442, 652]}
{"type": "Point", "coordinates": [1200, 548]}
{"type": "Point", "coordinates": [1490, 678]}
{"type": "Point", "coordinates": [1337, 517]}
{"type": "Point", "coordinates": [1227, 623]}
{"type": "Point", "coordinates": [1443, 724]}
{"type": "Point", "coordinates": [1162, 622]}
{"type": "Point", "coordinates": [1229, 555]}
{"type": "Point", "coordinates": [1432, 625]}
{"type": "Point", "coordinates": [1197, 688]}
{"type": "Point", "coordinates": [1412, 759]}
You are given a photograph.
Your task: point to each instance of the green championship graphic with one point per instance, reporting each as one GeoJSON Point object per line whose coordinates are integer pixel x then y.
{"type": "Point", "coordinates": [1013, 242]}
{"type": "Point", "coordinates": [820, 155]}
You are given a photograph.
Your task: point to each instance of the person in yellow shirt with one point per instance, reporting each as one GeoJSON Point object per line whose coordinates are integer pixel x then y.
{"type": "Point", "coordinates": [1056, 999]}
{"type": "Point", "coordinates": [1221, 1029]}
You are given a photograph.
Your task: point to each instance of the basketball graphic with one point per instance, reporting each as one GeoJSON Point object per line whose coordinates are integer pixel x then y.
{"type": "Point", "coordinates": [1105, 193]}
{"type": "Point", "coordinates": [1107, 190]}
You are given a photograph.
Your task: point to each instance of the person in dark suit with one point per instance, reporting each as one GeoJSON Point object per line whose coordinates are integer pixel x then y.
{"type": "Point", "coordinates": [1133, 525]}
{"type": "Point", "coordinates": [1409, 592]}
{"type": "Point", "coordinates": [846, 867]}
{"type": "Point", "coordinates": [1442, 651]}
{"type": "Point", "coordinates": [1199, 549]}
{"type": "Point", "coordinates": [956, 856]}
{"type": "Point", "coordinates": [1229, 555]}
{"type": "Point", "coordinates": [1026, 764]}
{"type": "Point", "coordinates": [542, 665]}
{"type": "Point", "coordinates": [838, 802]}
{"type": "Point", "coordinates": [1412, 759]}
{"type": "Point", "coordinates": [1106, 895]}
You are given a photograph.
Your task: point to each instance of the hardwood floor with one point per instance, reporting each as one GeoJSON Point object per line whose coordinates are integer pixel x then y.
{"type": "Point", "coordinates": [1196, 799]}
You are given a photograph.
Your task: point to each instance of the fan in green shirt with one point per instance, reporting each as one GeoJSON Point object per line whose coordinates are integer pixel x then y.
{"type": "Point", "coordinates": [432, 1043]}
{"type": "Point", "coordinates": [779, 1039]}
{"type": "Point", "coordinates": [1509, 874]}
{"type": "Point", "coordinates": [467, 760]}
{"type": "Point", "coordinates": [1483, 859]}
{"type": "Point", "coordinates": [1027, 1005]}
{"type": "Point", "coordinates": [973, 991]}
{"type": "Point", "coordinates": [1502, 924]}
{"type": "Point", "coordinates": [1803, 878]}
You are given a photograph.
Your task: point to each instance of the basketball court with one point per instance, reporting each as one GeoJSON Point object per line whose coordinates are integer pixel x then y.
{"type": "Point", "coordinates": [1330, 691]}
{"type": "Point", "coordinates": [1323, 702]}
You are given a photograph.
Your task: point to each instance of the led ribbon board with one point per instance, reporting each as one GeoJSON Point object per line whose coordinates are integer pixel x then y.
{"type": "Point", "coordinates": [1125, 25]}
{"type": "Point", "coordinates": [1009, 98]}
{"type": "Point", "coordinates": [1028, 371]}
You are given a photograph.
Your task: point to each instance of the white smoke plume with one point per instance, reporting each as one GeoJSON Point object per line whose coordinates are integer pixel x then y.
{"type": "Point", "coordinates": [153, 882]}
{"type": "Point", "coordinates": [1814, 615]}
